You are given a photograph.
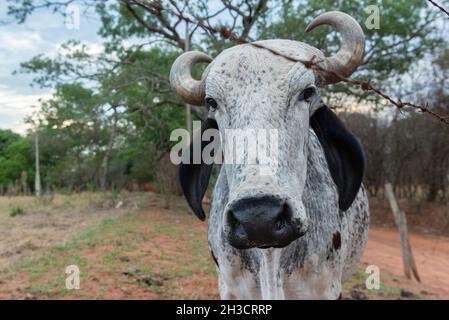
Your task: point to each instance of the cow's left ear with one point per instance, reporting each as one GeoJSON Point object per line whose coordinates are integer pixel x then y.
{"type": "Point", "coordinates": [343, 153]}
{"type": "Point", "coordinates": [194, 178]}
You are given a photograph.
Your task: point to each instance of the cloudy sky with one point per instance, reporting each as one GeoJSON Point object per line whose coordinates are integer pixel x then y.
{"type": "Point", "coordinates": [43, 33]}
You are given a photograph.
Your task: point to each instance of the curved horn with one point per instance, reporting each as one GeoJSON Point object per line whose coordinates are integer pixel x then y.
{"type": "Point", "coordinates": [188, 88]}
{"type": "Point", "coordinates": [350, 55]}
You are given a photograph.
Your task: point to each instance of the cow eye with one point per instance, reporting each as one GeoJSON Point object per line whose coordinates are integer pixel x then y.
{"type": "Point", "coordinates": [307, 94]}
{"type": "Point", "coordinates": [211, 103]}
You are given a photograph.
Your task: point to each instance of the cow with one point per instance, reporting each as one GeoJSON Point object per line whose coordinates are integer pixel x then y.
{"type": "Point", "coordinates": [299, 232]}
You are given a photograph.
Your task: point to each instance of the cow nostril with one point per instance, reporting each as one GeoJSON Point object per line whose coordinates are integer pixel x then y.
{"type": "Point", "coordinates": [261, 222]}
{"type": "Point", "coordinates": [232, 220]}
{"type": "Point", "coordinates": [235, 225]}
{"type": "Point", "coordinates": [284, 216]}
{"type": "Point", "coordinates": [239, 232]}
{"type": "Point", "coordinates": [280, 224]}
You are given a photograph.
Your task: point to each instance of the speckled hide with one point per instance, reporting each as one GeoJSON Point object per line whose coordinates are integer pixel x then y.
{"type": "Point", "coordinates": [256, 89]}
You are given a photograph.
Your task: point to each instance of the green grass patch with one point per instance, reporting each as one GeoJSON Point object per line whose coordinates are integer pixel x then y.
{"type": "Point", "coordinates": [16, 211]}
{"type": "Point", "coordinates": [105, 251]}
{"type": "Point", "coordinates": [385, 291]}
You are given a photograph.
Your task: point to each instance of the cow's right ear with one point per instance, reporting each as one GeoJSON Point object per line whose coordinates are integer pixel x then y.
{"type": "Point", "coordinates": [194, 178]}
{"type": "Point", "coordinates": [343, 153]}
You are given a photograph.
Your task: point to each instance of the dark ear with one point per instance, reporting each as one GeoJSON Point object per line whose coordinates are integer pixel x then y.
{"type": "Point", "coordinates": [343, 153]}
{"type": "Point", "coordinates": [194, 178]}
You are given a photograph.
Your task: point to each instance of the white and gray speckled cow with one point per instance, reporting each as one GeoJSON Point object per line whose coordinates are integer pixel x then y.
{"type": "Point", "coordinates": [296, 234]}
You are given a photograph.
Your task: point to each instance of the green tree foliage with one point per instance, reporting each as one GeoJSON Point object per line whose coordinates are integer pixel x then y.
{"type": "Point", "coordinates": [127, 94]}
{"type": "Point", "coordinates": [405, 34]}
{"type": "Point", "coordinates": [15, 158]}
{"type": "Point", "coordinates": [112, 113]}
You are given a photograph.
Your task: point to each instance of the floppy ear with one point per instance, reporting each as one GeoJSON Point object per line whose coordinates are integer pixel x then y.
{"type": "Point", "coordinates": [343, 153]}
{"type": "Point", "coordinates": [194, 178]}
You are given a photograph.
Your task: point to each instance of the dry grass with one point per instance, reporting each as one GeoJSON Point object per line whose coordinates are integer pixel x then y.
{"type": "Point", "coordinates": [29, 225]}
{"type": "Point", "coordinates": [137, 251]}
{"type": "Point", "coordinates": [141, 254]}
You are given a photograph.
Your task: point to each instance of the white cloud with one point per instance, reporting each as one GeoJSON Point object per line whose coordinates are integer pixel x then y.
{"type": "Point", "coordinates": [15, 106]}
{"type": "Point", "coordinates": [21, 40]}
{"type": "Point", "coordinates": [94, 48]}
{"type": "Point", "coordinates": [42, 33]}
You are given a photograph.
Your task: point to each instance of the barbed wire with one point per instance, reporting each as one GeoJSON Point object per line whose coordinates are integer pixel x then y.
{"type": "Point", "coordinates": [439, 7]}
{"type": "Point", "coordinates": [309, 64]}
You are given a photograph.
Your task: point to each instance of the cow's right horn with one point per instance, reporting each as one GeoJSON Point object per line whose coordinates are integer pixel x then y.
{"type": "Point", "coordinates": [350, 56]}
{"type": "Point", "coordinates": [192, 91]}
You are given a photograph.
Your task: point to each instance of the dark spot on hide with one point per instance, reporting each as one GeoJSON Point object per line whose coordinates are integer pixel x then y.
{"type": "Point", "coordinates": [336, 241]}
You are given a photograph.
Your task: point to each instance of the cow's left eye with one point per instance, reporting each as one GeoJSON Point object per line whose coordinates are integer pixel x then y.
{"type": "Point", "coordinates": [307, 94]}
{"type": "Point", "coordinates": [211, 103]}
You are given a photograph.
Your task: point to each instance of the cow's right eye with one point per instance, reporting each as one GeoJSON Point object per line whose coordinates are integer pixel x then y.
{"type": "Point", "coordinates": [307, 94]}
{"type": "Point", "coordinates": [211, 103]}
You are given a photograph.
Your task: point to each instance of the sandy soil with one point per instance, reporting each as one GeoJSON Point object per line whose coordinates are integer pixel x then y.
{"type": "Point", "coordinates": [431, 256]}
{"type": "Point", "coordinates": [173, 245]}
{"type": "Point", "coordinates": [151, 254]}
{"type": "Point", "coordinates": [58, 221]}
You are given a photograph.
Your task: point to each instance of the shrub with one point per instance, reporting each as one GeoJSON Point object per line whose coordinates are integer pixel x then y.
{"type": "Point", "coordinates": [16, 211]}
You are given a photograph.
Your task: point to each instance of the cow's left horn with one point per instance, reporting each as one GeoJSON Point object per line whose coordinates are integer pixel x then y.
{"type": "Point", "coordinates": [191, 90]}
{"type": "Point", "coordinates": [350, 55]}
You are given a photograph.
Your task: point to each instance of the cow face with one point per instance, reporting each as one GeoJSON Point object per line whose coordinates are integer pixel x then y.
{"type": "Point", "coordinates": [260, 99]}
{"type": "Point", "coordinates": [262, 102]}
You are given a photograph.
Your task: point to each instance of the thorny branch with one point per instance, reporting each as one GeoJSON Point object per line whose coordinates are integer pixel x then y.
{"type": "Point", "coordinates": [157, 8]}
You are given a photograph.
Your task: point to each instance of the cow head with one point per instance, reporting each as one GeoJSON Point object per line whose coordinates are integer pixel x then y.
{"type": "Point", "coordinates": [254, 87]}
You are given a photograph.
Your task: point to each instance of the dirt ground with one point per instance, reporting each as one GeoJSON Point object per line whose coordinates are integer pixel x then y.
{"type": "Point", "coordinates": [431, 256]}
{"type": "Point", "coordinates": [135, 249]}
{"type": "Point", "coordinates": [52, 220]}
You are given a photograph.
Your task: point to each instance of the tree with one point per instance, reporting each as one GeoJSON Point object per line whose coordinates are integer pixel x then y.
{"type": "Point", "coordinates": [15, 158]}
{"type": "Point", "coordinates": [112, 113]}
{"type": "Point", "coordinates": [406, 34]}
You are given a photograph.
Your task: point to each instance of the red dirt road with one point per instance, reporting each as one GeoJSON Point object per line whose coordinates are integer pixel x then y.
{"type": "Point", "coordinates": [167, 253]}
{"type": "Point", "coordinates": [431, 256]}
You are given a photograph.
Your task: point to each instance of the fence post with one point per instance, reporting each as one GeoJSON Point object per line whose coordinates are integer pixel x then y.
{"type": "Point", "coordinates": [401, 223]}
{"type": "Point", "coordinates": [37, 179]}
